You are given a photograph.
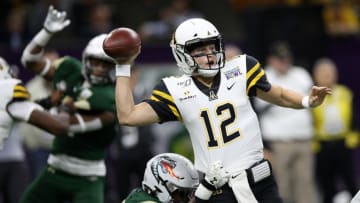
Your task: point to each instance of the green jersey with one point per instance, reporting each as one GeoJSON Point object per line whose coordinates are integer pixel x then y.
{"type": "Point", "coordinates": [88, 99]}
{"type": "Point", "coordinates": [139, 196]}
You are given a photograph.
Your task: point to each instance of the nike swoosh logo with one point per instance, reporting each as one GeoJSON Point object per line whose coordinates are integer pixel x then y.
{"type": "Point", "coordinates": [234, 176]}
{"type": "Point", "coordinates": [231, 86]}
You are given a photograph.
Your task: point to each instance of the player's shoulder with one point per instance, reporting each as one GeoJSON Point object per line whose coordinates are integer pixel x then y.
{"type": "Point", "coordinates": [176, 78]}
{"type": "Point", "coordinates": [177, 81]}
{"type": "Point", "coordinates": [67, 63]}
{"type": "Point", "coordinates": [10, 82]}
{"type": "Point", "coordinates": [12, 88]}
{"type": "Point", "coordinates": [249, 61]}
{"type": "Point", "coordinates": [16, 89]}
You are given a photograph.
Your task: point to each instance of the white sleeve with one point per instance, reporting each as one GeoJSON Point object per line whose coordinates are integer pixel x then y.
{"type": "Point", "coordinates": [21, 110]}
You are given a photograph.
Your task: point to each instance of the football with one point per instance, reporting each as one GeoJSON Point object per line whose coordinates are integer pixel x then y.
{"type": "Point", "coordinates": [122, 42]}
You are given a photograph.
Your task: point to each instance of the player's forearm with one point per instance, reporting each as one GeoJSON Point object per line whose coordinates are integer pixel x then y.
{"type": "Point", "coordinates": [124, 99]}
{"type": "Point", "coordinates": [33, 55]}
{"type": "Point", "coordinates": [291, 99]}
{"type": "Point", "coordinates": [56, 125]}
{"type": "Point", "coordinates": [282, 97]}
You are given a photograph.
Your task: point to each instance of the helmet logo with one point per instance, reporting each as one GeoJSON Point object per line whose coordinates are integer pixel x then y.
{"type": "Point", "coordinates": [167, 166]}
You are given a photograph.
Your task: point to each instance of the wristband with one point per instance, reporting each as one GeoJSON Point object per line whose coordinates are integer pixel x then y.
{"type": "Point", "coordinates": [81, 122]}
{"type": "Point", "coordinates": [207, 185]}
{"type": "Point", "coordinates": [305, 102]}
{"type": "Point", "coordinates": [203, 193]}
{"type": "Point", "coordinates": [122, 70]}
{"type": "Point", "coordinates": [42, 38]}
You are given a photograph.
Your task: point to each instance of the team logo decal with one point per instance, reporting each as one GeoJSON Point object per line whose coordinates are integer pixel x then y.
{"type": "Point", "coordinates": [187, 96]}
{"type": "Point", "coordinates": [235, 72]}
{"type": "Point", "coordinates": [166, 165]}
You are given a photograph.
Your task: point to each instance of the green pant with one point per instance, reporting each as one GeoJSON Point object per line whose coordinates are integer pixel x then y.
{"type": "Point", "coordinates": [56, 186]}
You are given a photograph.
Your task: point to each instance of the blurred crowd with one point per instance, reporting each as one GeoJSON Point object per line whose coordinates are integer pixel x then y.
{"type": "Point", "coordinates": [154, 19]}
{"type": "Point", "coordinates": [319, 156]}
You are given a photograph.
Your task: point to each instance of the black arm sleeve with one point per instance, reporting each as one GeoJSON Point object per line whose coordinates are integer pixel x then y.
{"type": "Point", "coordinates": [166, 109]}
{"type": "Point", "coordinates": [256, 76]}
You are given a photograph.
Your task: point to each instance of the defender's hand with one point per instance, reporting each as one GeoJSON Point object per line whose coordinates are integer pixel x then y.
{"type": "Point", "coordinates": [214, 179]}
{"type": "Point", "coordinates": [217, 175]}
{"type": "Point", "coordinates": [55, 20]}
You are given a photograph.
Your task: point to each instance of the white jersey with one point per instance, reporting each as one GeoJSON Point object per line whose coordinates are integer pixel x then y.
{"type": "Point", "coordinates": [10, 90]}
{"type": "Point", "coordinates": [220, 120]}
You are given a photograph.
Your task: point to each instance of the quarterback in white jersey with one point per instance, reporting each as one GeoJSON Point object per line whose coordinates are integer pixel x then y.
{"type": "Point", "coordinates": [212, 101]}
{"type": "Point", "coordinates": [15, 106]}
{"type": "Point", "coordinates": [220, 119]}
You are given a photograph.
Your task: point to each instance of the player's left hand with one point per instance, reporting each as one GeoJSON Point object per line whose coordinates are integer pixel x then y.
{"type": "Point", "coordinates": [318, 95]}
{"type": "Point", "coordinates": [217, 175]}
{"type": "Point", "coordinates": [215, 178]}
{"type": "Point", "coordinates": [55, 20]}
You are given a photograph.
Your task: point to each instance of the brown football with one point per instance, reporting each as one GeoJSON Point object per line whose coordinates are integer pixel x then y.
{"type": "Point", "coordinates": [122, 42]}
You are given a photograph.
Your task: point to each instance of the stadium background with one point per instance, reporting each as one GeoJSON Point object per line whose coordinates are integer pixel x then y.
{"type": "Point", "coordinates": [252, 25]}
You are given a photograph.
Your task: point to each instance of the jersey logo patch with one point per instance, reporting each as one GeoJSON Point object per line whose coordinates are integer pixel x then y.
{"type": "Point", "coordinates": [184, 83]}
{"type": "Point", "coordinates": [187, 96]}
{"type": "Point", "coordinates": [235, 72]}
{"type": "Point", "coordinates": [212, 95]}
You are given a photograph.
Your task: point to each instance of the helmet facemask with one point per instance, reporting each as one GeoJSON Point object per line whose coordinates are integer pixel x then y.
{"type": "Point", "coordinates": [213, 68]}
{"type": "Point", "coordinates": [91, 66]}
{"type": "Point", "coordinates": [94, 52]}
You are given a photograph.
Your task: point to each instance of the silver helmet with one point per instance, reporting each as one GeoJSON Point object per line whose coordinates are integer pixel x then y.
{"type": "Point", "coordinates": [94, 50]}
{"type": "Point", "coordinates": [168, 173]}
{"type": "Point", "coordinates": [193, 33]}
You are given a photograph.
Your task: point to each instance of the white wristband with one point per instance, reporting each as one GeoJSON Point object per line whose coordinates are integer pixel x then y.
{"type": "Point", "coordinates": [305, 102]}
{"type": "Point", "coordinates": [123, 70]}
{"type": "Point", "coordinates": [42, 38]}
{"type": "Point", "coordinates": [81, 122]}
{"type": "Point", "coordinates": [203, 193]}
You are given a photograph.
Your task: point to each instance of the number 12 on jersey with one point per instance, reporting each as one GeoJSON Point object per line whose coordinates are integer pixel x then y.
{"type": "Point", "coordinates": [225, 117]}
